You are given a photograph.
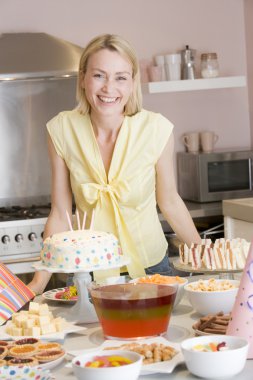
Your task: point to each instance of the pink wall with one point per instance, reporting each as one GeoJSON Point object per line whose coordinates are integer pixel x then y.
{"type": "Point", "coordinates": [158, 27]}
{"type": "Point", "coordinates": [248, 11]}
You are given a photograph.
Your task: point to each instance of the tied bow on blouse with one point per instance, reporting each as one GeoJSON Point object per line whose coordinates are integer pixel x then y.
{"type": "Point", "coordinates": [116, 191]}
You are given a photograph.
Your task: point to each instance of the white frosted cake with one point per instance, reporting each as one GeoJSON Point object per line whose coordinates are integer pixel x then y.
{"type": "Point", "coordinates": [81, 249]}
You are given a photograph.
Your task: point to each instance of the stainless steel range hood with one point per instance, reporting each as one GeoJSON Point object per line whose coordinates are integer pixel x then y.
{"type": "Point", "coordinates": [38, 75]}
{"type": "Point", "coordinates": [37, 55]}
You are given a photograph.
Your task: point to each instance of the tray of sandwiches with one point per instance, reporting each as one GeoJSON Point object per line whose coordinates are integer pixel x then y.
{"type": "Point", "coordinates": [222, 255]}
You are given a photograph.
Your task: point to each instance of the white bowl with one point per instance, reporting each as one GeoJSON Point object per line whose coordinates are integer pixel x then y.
{"type": "Point", "coordinates": [215, 365]}
{"type": "Point", "coordinates": [180, 288]}
{"type": "Point", "coordinates": [180, 291]}
{"type": "Point", "coordinates": [211, 302]}
{"type": "Point", "coordinates": [126, 372]}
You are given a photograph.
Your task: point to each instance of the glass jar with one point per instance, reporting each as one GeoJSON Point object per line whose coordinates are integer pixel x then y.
{"type": "Point", "coordinates": [209, 65]}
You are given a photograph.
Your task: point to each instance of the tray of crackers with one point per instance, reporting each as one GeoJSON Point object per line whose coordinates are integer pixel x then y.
{"type": "Point", "coordinates": [212, 324]}
{"type": "Point", "coordinates": [31, 352]}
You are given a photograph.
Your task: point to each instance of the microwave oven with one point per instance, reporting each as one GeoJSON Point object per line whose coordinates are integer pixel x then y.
{"type": "Point", "coordinates": [211, 177]}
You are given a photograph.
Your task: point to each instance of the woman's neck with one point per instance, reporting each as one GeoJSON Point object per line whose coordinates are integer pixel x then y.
{"type": "Point", "coordinates": [106, 131]}
{"type": "Point", "coordinates": [106, 125]}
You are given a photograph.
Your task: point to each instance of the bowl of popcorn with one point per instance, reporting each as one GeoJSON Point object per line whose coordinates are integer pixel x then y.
{"type": "Point", "coordinates": [212, 295]}
{"type": "Point", "coordinates": [176, 281]}
{"type": "Point", "coordinates": [131, 310]}
{"type": "Point", "coordinates": [110, 365]}
{"type": "Point", "coordinates": [214, 357]}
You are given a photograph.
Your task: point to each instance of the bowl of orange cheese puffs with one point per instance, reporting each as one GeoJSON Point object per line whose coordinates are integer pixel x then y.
{"type": "Point", "coordinates": [159, 279]}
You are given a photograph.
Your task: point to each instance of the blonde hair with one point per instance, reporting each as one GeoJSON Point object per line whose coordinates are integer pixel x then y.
{"type": "Point", "coordinates": [114, 43]}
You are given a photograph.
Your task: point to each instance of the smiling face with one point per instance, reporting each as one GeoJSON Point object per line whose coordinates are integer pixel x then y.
{"type": "Point", "coordinates": [108, 82]}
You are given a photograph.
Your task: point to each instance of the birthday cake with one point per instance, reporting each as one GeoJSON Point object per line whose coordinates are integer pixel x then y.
{"type": "Point", "coordinates": [81, 250]}
{"type": "Point", "coordinates": [223, 254]}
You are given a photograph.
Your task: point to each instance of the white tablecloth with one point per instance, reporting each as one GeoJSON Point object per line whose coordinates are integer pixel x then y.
{"type": "Point", "coordinates": [180, 328]}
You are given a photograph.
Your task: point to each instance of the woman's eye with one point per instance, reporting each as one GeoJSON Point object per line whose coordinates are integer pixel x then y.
{"type": "Point", "coordinates": [121, 78]}
{"type": "Point", "coordinates": [98, 76]}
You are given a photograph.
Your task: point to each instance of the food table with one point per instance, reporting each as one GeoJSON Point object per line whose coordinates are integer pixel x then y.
{"type": "Point", "coordinates": [180, 328]}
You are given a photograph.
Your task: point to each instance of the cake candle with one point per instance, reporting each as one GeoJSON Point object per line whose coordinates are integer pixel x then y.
{"type": "Point", "coordinates": [84, 220]}
{"type": "Point", "coordinates": [78, 219]}
{"type": "Point", "coordinates": [69, 221]}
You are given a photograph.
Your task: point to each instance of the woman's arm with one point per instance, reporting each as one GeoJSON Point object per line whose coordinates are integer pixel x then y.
{"type": "Point", "coordinates": [61, 201]}
{"type": "Point", "coordinates": [168, 199]}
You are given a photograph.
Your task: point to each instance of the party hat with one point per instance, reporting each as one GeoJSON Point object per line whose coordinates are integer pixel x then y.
{"type": "Point", "coordinates": [241, 323]}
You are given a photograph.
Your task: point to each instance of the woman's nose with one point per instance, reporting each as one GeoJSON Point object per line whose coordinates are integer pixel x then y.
{"type": "Point", "coordinates": [108, 85]}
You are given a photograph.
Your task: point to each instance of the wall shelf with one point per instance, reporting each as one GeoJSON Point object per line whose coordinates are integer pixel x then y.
{"type": "Point", "coordinates": [193, 85]}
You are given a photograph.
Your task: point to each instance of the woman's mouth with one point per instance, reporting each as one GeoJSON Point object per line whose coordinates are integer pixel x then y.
{"type": "Point", "coordinates": [107, 100]}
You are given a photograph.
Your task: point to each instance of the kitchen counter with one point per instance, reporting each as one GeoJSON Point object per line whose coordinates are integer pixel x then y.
{"type": "Point", "coordinates": [239, 209]}
{"type": "Point", "coordinates": [200, 213]}
{"type": "Point", "coordinates": [199, 210]}
{"type": "Point", "coordinates": [180, 328]}
{"type": "Point", "coordinates": [238, 218]}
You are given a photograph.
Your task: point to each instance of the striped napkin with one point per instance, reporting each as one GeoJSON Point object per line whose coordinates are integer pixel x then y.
{"type": "Point", "coordinates": [14, 294]}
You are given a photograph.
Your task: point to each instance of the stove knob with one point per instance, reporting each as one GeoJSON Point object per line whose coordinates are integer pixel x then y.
{"type": "Point", "coordinates": [19, 238]}
{"type": "Point", "coordinates": [32, 236]}
{"type": "Point", "coordinates": [6, 239]}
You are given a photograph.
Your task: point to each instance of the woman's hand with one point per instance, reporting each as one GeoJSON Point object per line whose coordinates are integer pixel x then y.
{"type": "Point", "coordinates": [39, 281]}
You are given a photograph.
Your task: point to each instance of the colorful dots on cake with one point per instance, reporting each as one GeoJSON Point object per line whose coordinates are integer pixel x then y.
{"type": "Point", "coordinates": [82, 249]}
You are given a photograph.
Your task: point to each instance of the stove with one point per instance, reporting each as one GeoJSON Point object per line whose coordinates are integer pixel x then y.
{"type": "Point", "coordinates": [20, 213]}
{"type": "Point", "coordinates": [21, 236]}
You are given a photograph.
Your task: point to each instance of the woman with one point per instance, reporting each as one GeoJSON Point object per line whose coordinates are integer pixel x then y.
{"type": "Point", "coordinates": [116, 159]}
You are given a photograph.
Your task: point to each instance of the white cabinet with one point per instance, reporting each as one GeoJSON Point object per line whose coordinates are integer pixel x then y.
{"type": "Point", "coordinates": [234, 228]}
{"type": "Point", "coordinates": [238, 218]}
{"type": "Point", "coordinates": [193, 85]}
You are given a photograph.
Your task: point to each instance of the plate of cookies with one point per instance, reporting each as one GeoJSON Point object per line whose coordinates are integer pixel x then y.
{"type": "Point", "coordinates": [31, 352]}
{"type": "Point", "coordinates": [212, 324]}
{"type": "Point", "coordinates": [159, 354]}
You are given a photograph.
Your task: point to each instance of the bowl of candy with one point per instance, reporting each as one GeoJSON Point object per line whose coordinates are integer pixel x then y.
{"type": "Point", "coordinates": [132, 310]}
{"type": "Point", "coordinates": [113, 365]}
{"type": "Point", "coordinates": [212, 296]}
{"type": "Point", "coordinates": [178, 282]}
{"type": "Point", "coordinates": [214, 357]}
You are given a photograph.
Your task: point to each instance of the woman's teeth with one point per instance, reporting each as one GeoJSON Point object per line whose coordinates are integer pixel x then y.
{"type": "Point", "coordinates": [107, 100]}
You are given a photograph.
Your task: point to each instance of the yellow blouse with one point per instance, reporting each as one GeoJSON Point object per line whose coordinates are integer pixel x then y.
{"type": "Point", "coordinates": [125, 200]}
